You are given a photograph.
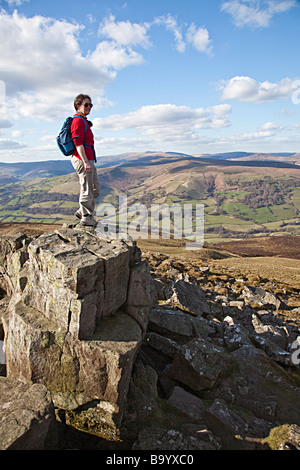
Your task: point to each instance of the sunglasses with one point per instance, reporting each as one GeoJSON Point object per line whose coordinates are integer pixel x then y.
{"type": "Point", "coordinates": [86, 105]}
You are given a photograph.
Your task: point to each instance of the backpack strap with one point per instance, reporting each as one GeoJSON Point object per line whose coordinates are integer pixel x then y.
{"type": "Point", "coordinates": [78, 115]}
{"type": "Point", "coordinates": [84, 141]}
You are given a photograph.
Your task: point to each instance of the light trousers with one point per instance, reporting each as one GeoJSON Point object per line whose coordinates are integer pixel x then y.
{"type": "Point", "coordinates": [89, 186]}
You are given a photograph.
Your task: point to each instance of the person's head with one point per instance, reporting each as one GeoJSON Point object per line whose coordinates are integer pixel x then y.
{"type": "Point", "coordinates": [83, 104]}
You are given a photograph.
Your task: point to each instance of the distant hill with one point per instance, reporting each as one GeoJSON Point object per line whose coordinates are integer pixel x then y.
{"type": "Point", "coordinates": [292, 158]}
{"type": "Point", "coordinates": [12, 172]}
{"type": "Point", "coordinates": [23, 171]}
{"type": "Point", "coordinates": [241, 197]}
{"type": "Point", "coordinates": [280, 157]}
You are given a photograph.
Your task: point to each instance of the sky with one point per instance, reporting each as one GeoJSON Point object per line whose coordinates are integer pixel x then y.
{"type": "Point", "coordinates": [191, 76]}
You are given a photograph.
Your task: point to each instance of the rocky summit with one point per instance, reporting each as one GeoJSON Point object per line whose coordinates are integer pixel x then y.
{"type": "Point", "coordinates": [107, 347]}
{"type": "Point", "coordinates": [76, 317]}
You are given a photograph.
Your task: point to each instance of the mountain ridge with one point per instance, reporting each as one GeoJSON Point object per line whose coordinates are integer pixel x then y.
{"type": "Point", "coordinates": [20, 171]}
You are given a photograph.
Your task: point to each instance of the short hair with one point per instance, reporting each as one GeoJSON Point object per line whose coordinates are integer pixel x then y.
{"type": "Point", "coordinates": [79, 100]}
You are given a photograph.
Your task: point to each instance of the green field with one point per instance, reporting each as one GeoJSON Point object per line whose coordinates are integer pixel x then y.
{"type": "Point", "coordinates": [237, 203]}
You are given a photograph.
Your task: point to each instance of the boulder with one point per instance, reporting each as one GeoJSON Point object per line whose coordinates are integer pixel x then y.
{"type": "Point", "coordinates": [176, 323]}
{"type": "Point", "coordinates": [4, 316]}
{"type": "Point", "coordinates": [189, 297]}
{"type": "Point", "coordinates": [234, 334]}
{"type": "Point", "coordinates": [257, 296]}
{"type": "Point", "coordinates": [187, 403]}
{"type": "Point", "coordinates": [273, 333]}
{"type": "Point", "coordinates": [259, 385]}
{"type": "Point", "coordinates": [160, 343]}
{"type": "Point", "coordinates": [27, 418]}
{"type": "Point", "coordinates": [75, 279]}
{"type": "Point", "coordinates": [171, 322]}
{"type": "Point", "coordinates": [76, 372]}
{"type": "Point", "coordinates": [228, 417]}
{"type": "Point", "coordinates": [80, 320]}
{"type": "Point", "coordinates": [199, 364]}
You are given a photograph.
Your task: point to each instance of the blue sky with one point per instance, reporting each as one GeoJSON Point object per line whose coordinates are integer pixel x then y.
{"type": "Point", "coordinates": [193, 76]}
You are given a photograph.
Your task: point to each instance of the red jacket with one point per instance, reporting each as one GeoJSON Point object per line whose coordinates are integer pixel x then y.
{"type": "Point", "coordinates": [83, 138]}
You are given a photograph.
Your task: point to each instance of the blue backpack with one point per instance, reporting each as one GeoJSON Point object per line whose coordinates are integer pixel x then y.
{"type": "Point", "coordinates": [64, 139]}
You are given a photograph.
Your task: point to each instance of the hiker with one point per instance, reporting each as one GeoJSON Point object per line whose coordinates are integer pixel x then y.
{"type": "Point", "coordinates": [84, 159]}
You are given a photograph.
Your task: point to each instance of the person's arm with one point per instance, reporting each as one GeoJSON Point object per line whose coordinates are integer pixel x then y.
{"type": "Point", "coordinates": [87, 166]}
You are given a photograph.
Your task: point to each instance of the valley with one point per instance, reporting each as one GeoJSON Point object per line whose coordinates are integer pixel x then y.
{"type": "Point", "coordinates": [242, 197]}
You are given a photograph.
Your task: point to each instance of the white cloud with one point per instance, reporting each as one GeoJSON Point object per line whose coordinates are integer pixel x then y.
{"type": "Point", "coordinates": [40, 54]}
{"type": "Point", "coordinates": [246, 89]}
{"type": "Point", "coordinates": [167, 119]}
{"type": "Point", "coordinates": [43, 67]}
{"type": "Point", "coordinates": [16, 2]}
{"type": "Point", "coordinates": [4, 123]}
{"type": "Point", "coordinates": [112, 56]}
{"type": "Point", "coordinates": [255, 13]}
{"type": "Point", "coordinates": [134, 34]}
{"type": "Point", "coordinates": [16, 134]}
{"type": "Point", "coordinates": [189, 138]}
{"type": "Point", "coordinates": [199, 38]}
{"type": "Point", "coordinates": [115, 145]}
{"type": "Point", "coordinates": [125, 32]}
{"type": "Point", "coordinates": [171, 25]}
{"type": "Point", "coordinates": [268, 137]}
{"type": "Point", "coordinates": [270, 128]}
{"type": "Point", "coordinates": [7, 144]}
{"type": "Point", "coordinates": [280, 6]}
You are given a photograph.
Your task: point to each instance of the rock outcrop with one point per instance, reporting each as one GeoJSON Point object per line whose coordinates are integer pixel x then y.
{"type": "Point", "coordinates": [159, 353]}
{"type": "Point", "coordinates": [78, 312]}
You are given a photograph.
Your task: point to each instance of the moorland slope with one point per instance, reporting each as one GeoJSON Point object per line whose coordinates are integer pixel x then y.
{"type": "Point", "coordinates": [240, 198]}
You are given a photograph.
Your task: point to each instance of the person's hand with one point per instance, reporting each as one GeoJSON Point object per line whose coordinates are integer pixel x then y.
{"type": "Point", "coordinates": [87, 167]}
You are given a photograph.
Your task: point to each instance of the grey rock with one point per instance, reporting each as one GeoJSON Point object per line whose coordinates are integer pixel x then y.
{"type": "Point", "coordinates": [231, 419]}
{"type": "Point", "coordinates": [76, 321]}
{"type": "Point", "coordinates": [235, 335]}
{"type": "Point", "coordinates": [172, 322]}
{"type": "Point", "coordinates": [260, 297]}
{"type": "Point", "coordinates": [269, 332]}
{"type": "Point", "coordinates": [267, 386]}
{"type": "Point", "coordinates": [160, 343]}
{"type": "Point", "coordinates": [141, 294]}
{"type": "Point", "coordinates": [176, 323]}
{"type": "Point", "coordinates": [199, 364]}
{"type": "Point", "coordinates": [27, 418]}
{"type": "Point", "coordinates": [76, 372]}
{"type": "Point", "coordinates": [72, 278]}
{"type": "Point", "coordinates": [186, 402]}
{"type": "Point", "coordinates": [189, 297]}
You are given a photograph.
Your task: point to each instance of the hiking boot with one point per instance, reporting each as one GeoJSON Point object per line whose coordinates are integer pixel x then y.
{"type": "Point", "coordinates": [88, 221]}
